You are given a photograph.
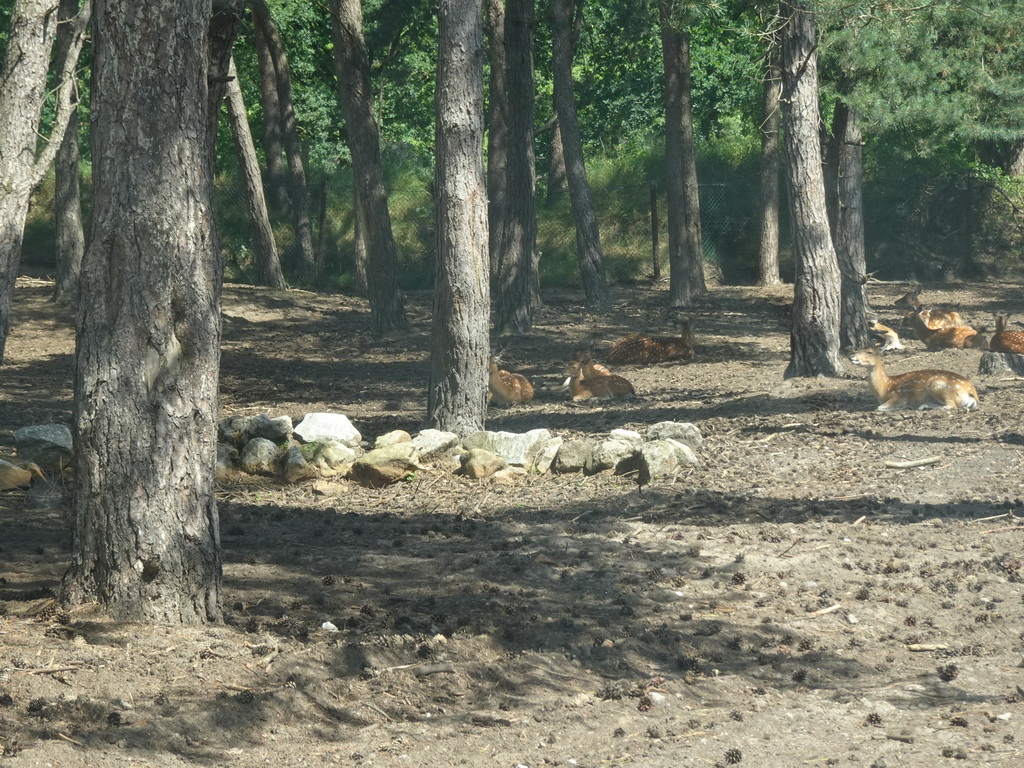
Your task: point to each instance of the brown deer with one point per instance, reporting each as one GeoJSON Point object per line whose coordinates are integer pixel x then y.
{"type": "Point", "coordinates": [956, 337]}
{"type": "Point", "coordinates": [610, 387]}
{"type": "Point", "coordinates": [1006, 341]}
{"type": "Point", "coordinates": [925, 322]}
{"type": "Point", "coordinates": [915, 390]}
{"type": "Point", "coordinates": [647, 350]}
{"type": "Point", "coordinates": [909, 300]}
{"type": "Point", "coordinates": [885, 336]}
{"type": "Point", "coordinates": [504, 388]}
{"type": "Point", "coordinates": [590, 368]}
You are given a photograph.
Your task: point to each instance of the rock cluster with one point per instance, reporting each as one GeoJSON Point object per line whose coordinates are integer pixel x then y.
{"type": "Point", "coordinates": [327, 445]}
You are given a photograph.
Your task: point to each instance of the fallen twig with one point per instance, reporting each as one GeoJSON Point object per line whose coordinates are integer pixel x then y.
{"type": "Point", "coordinates": [51, 670]}
{"type": "Point", "coordinates": [913, 463]}
{"type": "Point", "coordinates": [1004, 528]}
{"type": "Point", "coordinates": [69, 739]}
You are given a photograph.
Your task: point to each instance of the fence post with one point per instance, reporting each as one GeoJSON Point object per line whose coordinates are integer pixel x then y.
{"type": "Point", "coordinates": [655, 250]}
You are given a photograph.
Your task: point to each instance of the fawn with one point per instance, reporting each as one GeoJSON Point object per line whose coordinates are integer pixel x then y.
{"type": "Point", "coordinates": [956, 337]}
{"type": "Point", "coordinates": [886, 336]}
{"type": "Point", "coordinates": [610, 387]}
{"type": "Point", "coordinates": [646, 350]}
{"type": "Point", "coordinates": [504, 388]}
{"type": "Point", "coordinates": [1006, 341]}
{"type": "Point", "coordinates": [915, 390]}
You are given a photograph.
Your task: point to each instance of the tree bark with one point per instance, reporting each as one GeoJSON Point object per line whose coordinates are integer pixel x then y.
{"type": "Point", "coordinates": [298, 192]}
{"type": "Point", "coordinates": [588, 240]}
{"type": "Point", "coordinates": [30, 38]}
{"type": "Point", "coordinates": [848, 228]}
{"type": "Point", "coordinates": [265, 256]}
{"type": "Point", "coordinates": [556, 167]}
{"type": "Point", "coordinates": [517, 243]}
{"type": "Point", "coordinates": [686, 259]}
{"type": "Point", "coordinates": [768, 249]}
{"type": "Point", "coordinates": [457, 392]}
{"type": "Point", "coordinates": [270, 103]}
{"type": "Point", "coordinates": [497, 131]}
{"type": "Point", "coordinates": [146, 544]}
{"type": "Point", "coordinates": [814, 342]}
{"type": "Point", "coordinates": [387, 308]}
{"type": "Point", "coordinates": [67, 202]}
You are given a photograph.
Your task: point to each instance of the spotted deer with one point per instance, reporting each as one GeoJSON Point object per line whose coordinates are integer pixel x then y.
{"type": "Point", "coordinates": [886, 337]}
{"type": "Point", "coordinates": [956, 337]}
{"type": "Point", "coordinates": [591, 369]}
{"type": "Point", "coordinates": [646, 350]}
{"type": "Point", "coordinates": [505, 388]}
{"type": "Point", "coordinates": [916, 390]}
{"type": "Point", "coordinates": [925, 322]}
{"type": "Point", "coordinates": [610, 387]}
{"type": "Point", "coordinates": [1006, 341]}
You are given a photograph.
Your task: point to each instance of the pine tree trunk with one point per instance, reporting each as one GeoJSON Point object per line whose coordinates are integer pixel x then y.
{"type": "Point", "coordinates": [270, 104]}
{"type": "Point", "coordinates": [497, 131]}
{"type": "Point", "coordinates": [768, 248]}
{"type": "Point", "coordinates": [267, 261]}
{"type": "Point", "coordinates": [849, 229]}
{"type": "Point", "coordinates": [556, 167]}
{"type": "Point", "coordinates": [686, 260]}
{"type": "Point", "coordinates": [588, 240]}
{"type": "Point", "coordinates": [518, 241]}
{"type": "Point", "coordinates": [814, 342]}
{"type": "Point", "coordinates": [387, 308]}
{"type": "Point", "coordinates": [67, 201]}
{"type": "Point", "coordinates": [457, 392]}
{"type": "Point", "coordinates": [30, 37]}
{"type": "Point", "coordinates": [146, 544]}
{"type": "Point", "coordinates": [298, 192]}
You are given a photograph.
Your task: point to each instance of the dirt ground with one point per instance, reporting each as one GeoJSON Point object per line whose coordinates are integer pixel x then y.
{"type": "Point", "coordinates": [794, 600]}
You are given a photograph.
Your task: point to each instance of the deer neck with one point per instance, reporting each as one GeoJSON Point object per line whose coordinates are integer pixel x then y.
{"type": "Point", "coordinates": [879, 380]}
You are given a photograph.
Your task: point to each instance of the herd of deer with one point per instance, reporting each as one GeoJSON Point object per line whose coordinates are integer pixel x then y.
{"type": "Point", "coordinates": [921, 389]}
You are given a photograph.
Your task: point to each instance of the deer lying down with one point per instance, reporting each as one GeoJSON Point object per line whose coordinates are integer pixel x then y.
{"type": "Point", "coordinates": [958, 337]}
{"type": "Point", "coordinates": [885, 336]}
{"type": "Point", "coordinates": [610, 387]}
{"type": "Point", "coordinates": [647, 350]}
{"type": "Point", "coordinates": [926, 321]}
{"type": "Point", "coordinates": [590, 368]}
{"type": "Point", "coordinates": [915, 390]}
{"type": "Point", "coordinates": [504, 388]}
{"type": "Point", "coordinates": [1006, 341]}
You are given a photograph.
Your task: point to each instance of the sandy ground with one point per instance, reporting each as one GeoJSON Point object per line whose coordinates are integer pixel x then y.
{"type": "Point", "coordinates": [794, 600]}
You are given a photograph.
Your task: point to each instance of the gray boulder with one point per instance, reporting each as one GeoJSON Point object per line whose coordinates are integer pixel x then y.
{"type": "Point", "coordinates": [384, 466]}
{"type": "Point", "coordinates": [682, 431]}
{"type": "Point", "coordinates": [478, 463]}
{"type": "Point", "coordinates": [260, 456]}
{"type": "Point", "coordinates": [518, 449]}
{"type": "Point", "coordinates": [433, 444]}
{"type": "Point", "coordinates": [47, 445]}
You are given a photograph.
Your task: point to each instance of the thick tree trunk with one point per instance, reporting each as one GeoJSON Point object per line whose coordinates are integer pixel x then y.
{"type": "Point", "coordinates": [814, 342]}
{"type": "Point", "coordinates": [67, 200]}
{"type": "Point", "coordinates": [848, 229]}
{"type": "Point", "coordinates": [497, 131]}
{"type": "Point", "coordinates": [457, 392]}
{"type": "Point", "coordinates": [768, 249]}
{"type": "Point", "coordinates": [146, 544]}
{"type": "Point", "coordinates": [387, 308]}
{"type": "Point", "coordinates": [518, 240]}
{"type": "Point", "coordinates": [270, 104]}
{"type": "Point", "coordinates": [298, 192]}
{"type": "Point", "coordinates": [588, 240]}
{"type": "Point", "coordinates": [686, 259]}
{"type": "Point", "coordinates": [30, 38]}
{"type": "Point", "coordinates": [267, 261]}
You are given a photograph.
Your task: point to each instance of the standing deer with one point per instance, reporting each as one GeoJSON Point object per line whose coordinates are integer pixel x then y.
{"type": "Point", "coordinates": [915, 390]}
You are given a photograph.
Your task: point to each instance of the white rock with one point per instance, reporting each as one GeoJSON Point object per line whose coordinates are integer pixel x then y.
{"type": "Point", "coordinates": [317, 427]}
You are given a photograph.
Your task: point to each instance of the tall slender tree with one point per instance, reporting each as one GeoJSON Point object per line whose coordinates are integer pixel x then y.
{"type": "Point", "coordinates": [457, 392]}
{"type": "Point", "coordinates": [298, 190]}
{"type": "Point", "coordinates": [387, 308]}
{"type": "Point", "coordinates": [268, 262]}
{"type": "Point", "coordinates": [588, 239]}
{"type": "Point", "coordinates": [497, 128]}
{"type": "Point", "coordinates": [517, 241]}
{"type": "Point", "coordinates": [146, 544]}
{"type": "Point", "coordinates": [768, 200]}
{"type": "Point", "coordinates": [814, 341]}
{"type": "Point", "coordinates": [686, 259]}
{"type": "Point", "coordinates": [30, 39]}
{"type": "Point", "coordinates": [67, 198]}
